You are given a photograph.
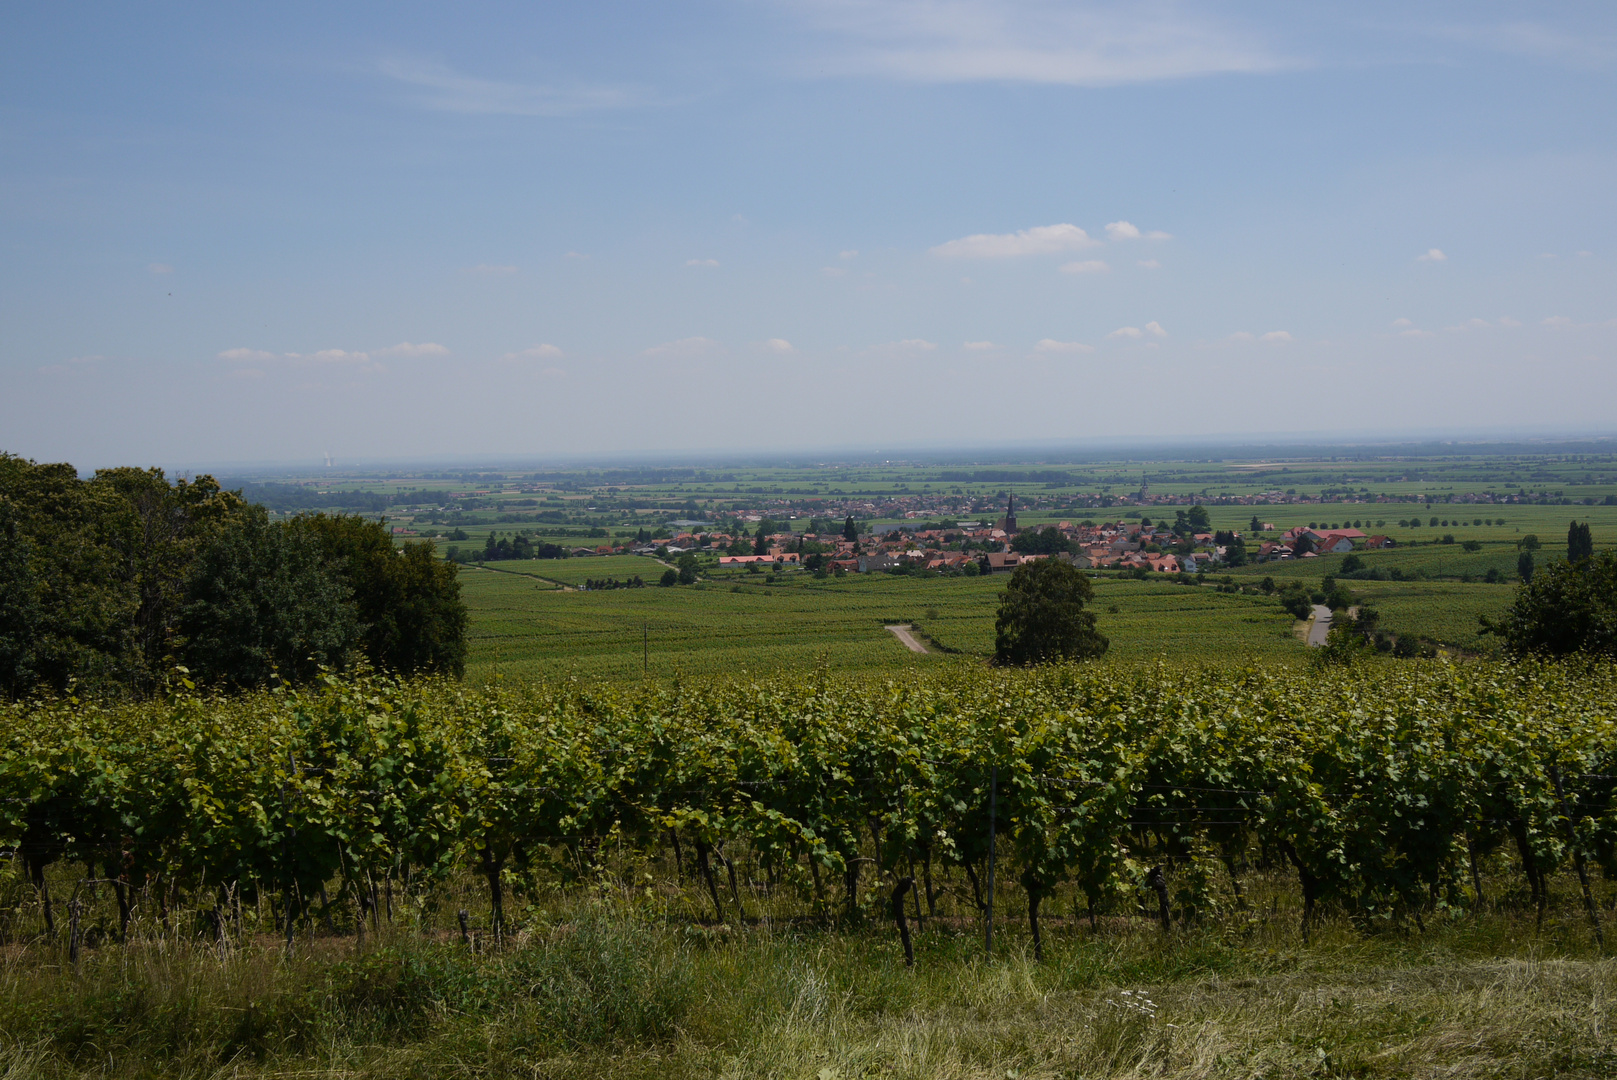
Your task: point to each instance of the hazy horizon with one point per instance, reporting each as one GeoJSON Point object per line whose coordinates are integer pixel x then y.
{"type": "Point", "coordinates": [566, 233]}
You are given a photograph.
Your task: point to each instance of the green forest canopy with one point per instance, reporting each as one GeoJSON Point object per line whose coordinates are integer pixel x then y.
{"type": "Point", "coordinates": [108, 583]}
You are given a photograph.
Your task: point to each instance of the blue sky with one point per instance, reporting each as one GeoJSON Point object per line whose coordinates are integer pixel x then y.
{"type": "Point", "coordinates": [237, 233]}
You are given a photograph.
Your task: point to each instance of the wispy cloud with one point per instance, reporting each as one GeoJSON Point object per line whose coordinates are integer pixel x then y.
{"type": "Point", "coordinates": [978, 346]}
{"type": "Point", "coordinates": [1432, 255]}
{"type": "Point", "coordinates": [906, 347]}
{"type": "Point", "coordinates": [683, 349]}
{"type": "Point", "coordinates": [354, 359]}
{"type": "Point", "coordinates": [441, 88]}
{"type": "Point", "coordinates": [1127, 332]}
{"type": "Point", "coordinates": [779, 345]}
{"type": "Point", "coordinates": [1039, 240]}
{"type": "Point", "coordinates": [1276, 337]}
{"type": "Point", "coordinates": [1034, 41]}
{"type": "Point", "coordinates": [543, 351]}
{"type": "Point", "coordinates": [1051, 345]}
{"type": "Point", "coordinates": [406, 349]}
{"type": "Point", "coordinates": [1088, 266]}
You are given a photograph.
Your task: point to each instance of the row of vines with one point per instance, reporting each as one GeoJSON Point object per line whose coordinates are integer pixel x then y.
{"type": "Point", "coordinates": [1379, 788]}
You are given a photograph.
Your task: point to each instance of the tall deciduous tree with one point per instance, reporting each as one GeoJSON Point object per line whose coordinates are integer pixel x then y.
{"type": "Point", "coordinates": [1042, 616]}
{"type": "Point", "coordinates": [1580, 543]}
{"type": "Point", "coordinates": [1566, 608]}
{"type": "Point", "coordinates": [264, 599]}
{"type": "Point", "coordinates": [411, 615]}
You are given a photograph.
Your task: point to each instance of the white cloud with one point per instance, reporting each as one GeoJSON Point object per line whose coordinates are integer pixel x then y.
{"type": "Point", "coordinates": [544, 351]}
{"type": "Point", "coordinates": [779, 345]}
{"type": "Point", "coordinates": [1155, 329]}
{"type": "Point", "coordinates": [1127, 332]}
{"type": "Point", "coordinates": [405, 348]}
{"type": "Point", "coordinates": [1029, 41]}
{"type": "Point", "coordinates": [1506, 320]}
{"type": "Point", "coordinates": [851, 253]}
{"type": "Point", "coordinates": [1039, 240]}
{"type": "Point", "coordinates": [1150, 264]}
{"type": "Point", "coordinates": [833, 271]}
{"type": "Point", "coordinates": [1242, 337]}
{"type": "Point", "coordinates": [491, 270]}
{"type": "Point", "coordinates": [1088, 266]}
{"type": "Point", "coordinates": [244, 355]}
{"type": "Point", "coordinates": [1557, 322]}
{"type": "Point", "coordinates": [160, 268]}
{"type": "Point", "coordinates": [1432, 255]}
{"type": "Point", "coordinates": [444, 90]}
{"type": "Point", "coordinates": [702, 262]}
{"type": "Point", "coordinates": [1121, 230]}
{"type": "Point", "coordinates": [1050, 345]}
{"type": "Point", "coordinates": [907, 347]}
{"type": "Point", "coordinates": [978, 346]}
{"type": "Point", "coordinates": [684, 348]}
{"type": "Point", "coordinates": [1276, 337]}
{"type": "Point", "coordinates": [1403, 322]}
{"type": "Point", "coordinates": [332, 356]}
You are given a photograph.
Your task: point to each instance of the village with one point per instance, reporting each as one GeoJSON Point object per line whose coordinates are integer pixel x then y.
{"type": "Point", "coordinates": [1185, 545]}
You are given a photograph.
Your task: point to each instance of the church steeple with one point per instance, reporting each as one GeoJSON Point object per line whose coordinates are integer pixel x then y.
{"type": "Point", "coordinates": [1008, 522]}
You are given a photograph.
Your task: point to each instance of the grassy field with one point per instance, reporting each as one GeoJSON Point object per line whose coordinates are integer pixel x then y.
{"type": "Point", "coordinates": [603, 985]}
{"type": "Point", "coordinates": [575, 572]}
{"type": "Point", "coordinates": [523, 627]}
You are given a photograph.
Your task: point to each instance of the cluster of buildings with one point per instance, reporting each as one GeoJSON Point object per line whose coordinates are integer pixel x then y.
{"type": "Point", "coordinates": [1320, 542]}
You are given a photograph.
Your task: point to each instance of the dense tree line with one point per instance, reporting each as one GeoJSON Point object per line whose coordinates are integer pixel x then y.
{"type": "Point", "coordinates": [109, 584]}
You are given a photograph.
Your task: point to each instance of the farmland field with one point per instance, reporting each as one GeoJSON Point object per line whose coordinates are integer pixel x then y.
{"type": "Point", "coordinates": [524, 627]}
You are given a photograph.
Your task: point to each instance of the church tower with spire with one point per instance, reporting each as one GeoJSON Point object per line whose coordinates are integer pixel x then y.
{"type": "Point", "coordinates": [1008, 522]}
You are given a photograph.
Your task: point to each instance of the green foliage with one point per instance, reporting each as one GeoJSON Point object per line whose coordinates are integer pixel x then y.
{"type": "Point", "coordinates": [1042, 618]}
{"type": "Point", "coordinates": [408, 602]}
{"type": "Point", "coordinates": [1580, 543]}
{"type": "Point", "coordinates": [1567, 608]}
{"type": "Point", "coordinates": [1046, 541]}
{"type": "Point", "coordinates": [106, 582]}
{"type": "Point", "coordinates": [264, 600]}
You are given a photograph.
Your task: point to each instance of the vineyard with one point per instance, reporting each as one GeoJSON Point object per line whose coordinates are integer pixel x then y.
{"type": "Point", "coordinates": [1099, 791]}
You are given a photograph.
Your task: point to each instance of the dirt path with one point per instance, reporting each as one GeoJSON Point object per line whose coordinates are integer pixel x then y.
{"type": "Point", "coordinates": [903, 634]}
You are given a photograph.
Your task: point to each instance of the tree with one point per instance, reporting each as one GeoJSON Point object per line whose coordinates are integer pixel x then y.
{"type": "Point", "coordinates": [850, 531]}
{"type": "Point", "coordinates": [19, 606]}
{"type": "Point", "coordinates": [1579, 543]}
{"type": "Point", "coordinates": [687, 568]}
{"type": "Point", "coordinates": [1564, 609]}
{"type": "Point", "coordinates": [262, 600]}
{"type": "Point", "coordinates": [1046, 541]}
{"type": "Point", "coordinates": [1256, 525]}
{"type": "Point", "coordinates": [408, 602]}
{"type": "Point", "coordinates": [1042, 616]}
{"type": "Point", "coordinates": [760, 543]}
{"type": "Point", "coordinates": [1530, 542]}
{"type": "Point", "coordinates": [1199, 521]}
{"type": "Point", "coordinates": [670, 577]}
{"type": "Point", "coordinates": [1524, 566]}
{"type": "Point", "coordinates": [1302, 545]}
